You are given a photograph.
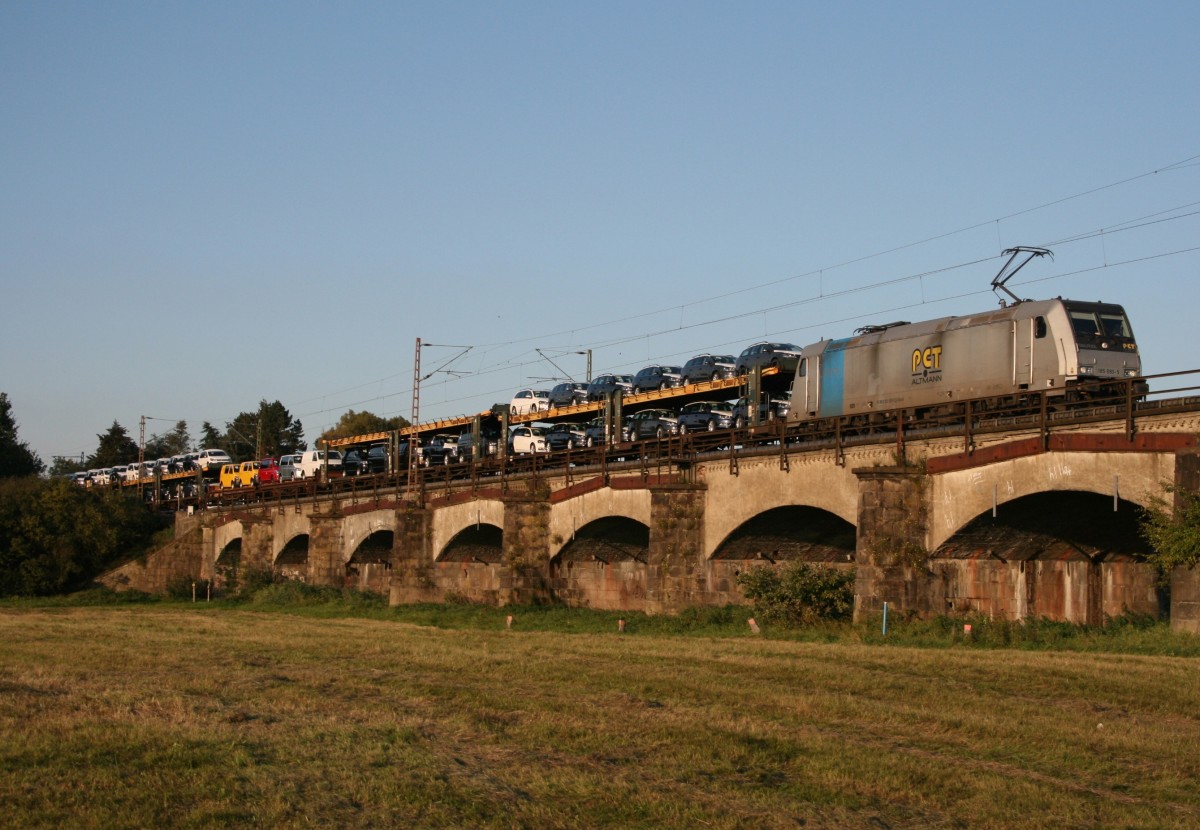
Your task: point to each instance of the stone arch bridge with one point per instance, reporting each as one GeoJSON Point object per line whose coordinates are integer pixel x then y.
{"type": "Point", "coordinates": [1018, 525]}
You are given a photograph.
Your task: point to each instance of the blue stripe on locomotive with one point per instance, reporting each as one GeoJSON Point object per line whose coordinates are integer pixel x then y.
{"type": "Point", "coordinates": [833, 377]}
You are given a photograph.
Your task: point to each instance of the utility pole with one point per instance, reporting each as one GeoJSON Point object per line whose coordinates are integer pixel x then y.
{"type": "Point", "coordinates": [416, 414]}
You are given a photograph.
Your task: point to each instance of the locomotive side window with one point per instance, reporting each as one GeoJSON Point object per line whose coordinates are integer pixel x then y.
{"type": "Point", "coordinates": [1039, 327]}
{"type": "Point", "coordinates": [803, 372]}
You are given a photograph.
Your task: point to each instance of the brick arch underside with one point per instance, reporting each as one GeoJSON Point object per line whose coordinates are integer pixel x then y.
{"type": "Point", "coordinates": [792, 532]}
{"type": "Point", "coordinates": [603, 565]}
{"type": "Point", "coordinates": [470, 565]}
{"type": "Point", "coordinates": [228, 564]}
{"type": "Point", "coordinates": [1061, 554]}
{"type": "Point", "coordinates": [370, 565]}
{"type": "Point", "coordinates": [480, 543]}
{"type": "Point", "coordinates": [292, 560]}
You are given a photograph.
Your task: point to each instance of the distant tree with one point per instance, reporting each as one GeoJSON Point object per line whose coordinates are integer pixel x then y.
{"type": "Point", "coordinates": [64, 466]}
{"type": "Point", "coordinates": [361, 423]}
{"type": "Point", "coordinates": [16, 459]}
{"type": "Point", "coordinates": [210, 438]}
{"type": "Point", "coordinates": [270, 431]}
{"type": "Point", "coordinates": [115, 447]}
{"type": "Point", "coordinates": [175, 442]}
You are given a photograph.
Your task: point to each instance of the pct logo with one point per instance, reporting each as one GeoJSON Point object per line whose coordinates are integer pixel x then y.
{"type": "Point", "coordinates": [927, 365]}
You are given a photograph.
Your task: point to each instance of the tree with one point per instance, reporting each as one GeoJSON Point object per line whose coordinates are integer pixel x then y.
{"type": "Point", "coordinates": [16, 459]}
{"type": "Point", "coordinates": [361, 423]}
{"type": "Point", "coordinates": [175, 442]}
{"type": "Point", "coordinates": [210, 439]}
{"type": "Point", "coordinates": [56, 536]}
{"type": "Point", "coordinates": [271, 431]}
{"type": "Point", "coordinates": [115, 447]}
{"type": "Point", "coordinates": [64, 466]}
{"type": "Point", "coordinates": [1173, 531]}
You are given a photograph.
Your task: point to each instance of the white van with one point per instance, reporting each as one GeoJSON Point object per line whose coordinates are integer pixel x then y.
{"type": "Point", "coordinates": [310, 462]}
{"type": "Point", "coordinates": [211, 460]}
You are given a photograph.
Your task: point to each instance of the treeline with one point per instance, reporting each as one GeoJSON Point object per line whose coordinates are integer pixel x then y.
{"type": "Point", "coordinates": [269, 431]}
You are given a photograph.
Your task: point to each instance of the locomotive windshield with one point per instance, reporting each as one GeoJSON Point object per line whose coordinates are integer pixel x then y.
{"type": "Point", "coordinates": [1099, 326]}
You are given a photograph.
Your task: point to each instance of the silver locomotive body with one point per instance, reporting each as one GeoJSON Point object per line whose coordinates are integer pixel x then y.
{"type": "Point", "coordinates": [1058, 346]}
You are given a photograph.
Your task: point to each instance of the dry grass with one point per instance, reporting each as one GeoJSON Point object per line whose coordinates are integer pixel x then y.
{"type": "Point", "coordinates": [148, 717]}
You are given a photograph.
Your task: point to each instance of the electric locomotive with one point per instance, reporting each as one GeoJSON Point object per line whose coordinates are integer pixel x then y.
{"type": "Point", "coordinates": [1069, 349]}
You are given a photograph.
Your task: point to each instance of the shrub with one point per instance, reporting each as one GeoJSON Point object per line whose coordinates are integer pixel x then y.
{"type": "Point", "coordinates": [253, 580]}
{"type": "Point", "coordinates": [799, 593]}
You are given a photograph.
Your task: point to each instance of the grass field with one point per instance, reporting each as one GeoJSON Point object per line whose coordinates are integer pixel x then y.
{"type": "Point", "coordinates": [199, 716]}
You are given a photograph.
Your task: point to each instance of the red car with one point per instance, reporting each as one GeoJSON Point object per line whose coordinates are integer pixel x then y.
{"type": "Point", "coordinates": [268, 471]}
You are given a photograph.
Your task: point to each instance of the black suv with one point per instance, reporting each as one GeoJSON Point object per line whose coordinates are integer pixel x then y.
{"type": "Point", "coordinates": [652, 423]}
{"type": "Point", "coordinates": [377, 459]}
{"type": "Point", "coordinates": [783, 355]}
{"type": "Point", "coordinates": [566, 437]}
{"type": "Point", "coordinates": [657, 377]}
{"type": "Point", "coordinates": [568, 394]}
{"type": "Point", "coordinates": [603, 385]}
{"type": "Point", "coordinates": [705, 416]}
{"type": "Point", "coordinates": [355, 463]}
{"type": "Point", "coordinates": [705, 367]}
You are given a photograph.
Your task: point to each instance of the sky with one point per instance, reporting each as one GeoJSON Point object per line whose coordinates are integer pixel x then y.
{"type": "Point", "coordinates": [205, 205]}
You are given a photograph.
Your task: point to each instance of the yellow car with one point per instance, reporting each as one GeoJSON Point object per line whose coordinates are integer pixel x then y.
{"type": "Point", "coordinates": [239, 475]}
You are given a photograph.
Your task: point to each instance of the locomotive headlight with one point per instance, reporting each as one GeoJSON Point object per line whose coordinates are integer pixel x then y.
{"type": "Point", "coordinates": [1086, 370]}
{"type": "Point", "coordinates": [1129, 373]}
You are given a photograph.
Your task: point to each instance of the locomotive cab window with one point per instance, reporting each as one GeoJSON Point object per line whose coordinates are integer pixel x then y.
{"type": "Point", "coordinates": [1039, 327]}
{"type": "Point", "coordinates": [1100, 326]}
{"type": "Point", "coordinates": [803, 370]}
{"type": "Point", "coordinates": [1084, 324]}
{"type": "Point", "coordinates": [1115, 325]}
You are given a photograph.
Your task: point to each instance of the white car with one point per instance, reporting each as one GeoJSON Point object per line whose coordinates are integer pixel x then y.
{"type": "Point", "coordinates": [527, 440]}
{"type": "Point", "coordinates": [529, 400]}
{"type": "Point", "coordinates": [311, 462]}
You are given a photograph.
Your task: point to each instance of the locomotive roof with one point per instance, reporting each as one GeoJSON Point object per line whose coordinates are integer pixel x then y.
{"type": "Point", "coordinates": [1019, 311]}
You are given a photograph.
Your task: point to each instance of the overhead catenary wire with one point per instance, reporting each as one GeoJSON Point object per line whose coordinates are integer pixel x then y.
{"type": "Point", "coordinates": [515, 362]}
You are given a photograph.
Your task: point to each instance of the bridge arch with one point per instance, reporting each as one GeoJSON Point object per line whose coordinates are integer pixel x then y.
{"type": "Point", "coordinates": [369, 567]}
{"type": "Point", "coordinates": [759, 486]}
{"type": "Point", "coordinates": [292, 560]}
{"type": "Point", "coordinates": [1062, 554]}
{"type": "Point", "coordinates": [958, 497]}
{"type": "Point", "coordinates": [568, 517]}
{"type": "Point", "coordinates": [479, 543]}
{"type": "Point", "coordinates": [451, 520]}
{"type": "Point", "coordinates": [789, 533]}
{"type": "Point", "coordinates": [358, 528]}
{"type": "Point", "coordinates": [603, 565]}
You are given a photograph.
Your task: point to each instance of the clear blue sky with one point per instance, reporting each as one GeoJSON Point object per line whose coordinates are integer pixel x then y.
{"type": "Point", "coordinates": [208, 204]}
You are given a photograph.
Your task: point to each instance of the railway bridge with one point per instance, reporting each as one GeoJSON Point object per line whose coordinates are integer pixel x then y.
{"type": "Point", "coordinates": [1020, 522]}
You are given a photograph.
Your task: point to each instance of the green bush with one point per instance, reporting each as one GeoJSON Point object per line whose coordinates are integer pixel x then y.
{"type": "Point", "coordinates": [799, 594]}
